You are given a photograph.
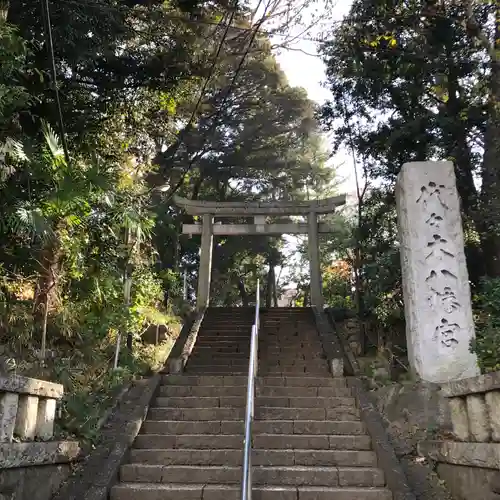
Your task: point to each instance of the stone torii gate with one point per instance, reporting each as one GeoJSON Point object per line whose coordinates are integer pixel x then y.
{"type": "Point", "coordinates": [208, 210]}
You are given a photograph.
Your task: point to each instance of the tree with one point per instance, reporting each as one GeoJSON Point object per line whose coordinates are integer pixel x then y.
{"type": "Point", "coordinates": [420, 71]}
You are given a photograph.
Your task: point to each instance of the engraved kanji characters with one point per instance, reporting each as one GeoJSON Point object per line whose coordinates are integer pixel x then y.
{"type": "Point", "coordinates": [439, 253]}
{"type": "Point", "coordinates": [446, 333]}
{"type": "Point", "coordinates": [432, 191]}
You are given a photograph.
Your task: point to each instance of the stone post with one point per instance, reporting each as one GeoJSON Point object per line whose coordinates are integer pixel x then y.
{"type": "Point", "coordinates": [438, 312]}
{"type": "Point", "coordinates": [205, 270]}
{"type": "Point", "coordinates": [314, 261]}
{"type": "Point", "coordinates": [8, 411]}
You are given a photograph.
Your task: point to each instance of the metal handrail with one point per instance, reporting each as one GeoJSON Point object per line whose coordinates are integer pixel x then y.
{"type": "Point", "coordinates": [246, 481]}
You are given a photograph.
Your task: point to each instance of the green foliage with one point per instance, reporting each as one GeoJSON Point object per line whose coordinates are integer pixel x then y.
{"type": "Point", "coordinates": [13, 94]}
{"type": "Point", "coordinates": [486, 345]}
{"type": "Point", "coordinates": [77, 232]}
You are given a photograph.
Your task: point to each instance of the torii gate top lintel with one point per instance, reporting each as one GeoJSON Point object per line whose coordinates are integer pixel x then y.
{"type": "Point", "coordinates": [253, 208]}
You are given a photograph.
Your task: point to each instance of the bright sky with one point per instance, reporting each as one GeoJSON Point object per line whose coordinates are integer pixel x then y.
{"type": "Point", "coordinates": [304, 68]}
{"type": "Point", "coordinates": [308, 71]}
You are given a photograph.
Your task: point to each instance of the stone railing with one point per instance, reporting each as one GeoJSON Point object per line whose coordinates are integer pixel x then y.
{"type": "Point", "coordinates": [469, 462]}
{"type": "Point", "coordinates": [475, 408]}
{"type": "Point", "coordinates": [33, 463]}
{"type": "Point", "coordinates": [27, 408]}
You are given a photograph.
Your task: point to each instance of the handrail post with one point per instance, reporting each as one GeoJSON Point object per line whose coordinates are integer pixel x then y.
{"type": "Point", "coordinates": [246, 481]}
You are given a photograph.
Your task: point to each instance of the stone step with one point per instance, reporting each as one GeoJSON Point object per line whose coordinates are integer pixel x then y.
{"type": "Point", "coordinates": [296, 346]}
{"type": "Point", "coordinates": [219, 327]}
{"type": "Point", "coordinates": [261, 441]}
{"type": "Point", "coordinates": [240, 390]}
{"type": "Point", "coordinates": [232, 357]}
{"type": "Point", "coordinates": [346, 458]}
{"type": "Point", "coordinates": [217, 371]}
{"type": "Point", "coordinates": [284, 371]}
{"type": "Point", "coordinates": [290, 344]}
{"type": "Point", "coordinates": [217, 335]}
{"type": "Point", "coordinates": [290, 351]}
{"type": "Point", "coordinates": [206, 338]}
{"type": "Point", "coordinates": [207, 354]}
{"type": "Point", "coordinates": [287, 381]}
{"type": "Point", "coordinates": [220, 350]}
{"type": "Point", "coordinates": [310, 427]}
{"type": "Point", "coordinates": [300, 364]}
{"type": "Point", "coordinates": [241, 334]}
{"type": "Point", "coordinates": [288, 329]}
{"type": "Point", "coordinates": [158, 491]}
{"type": "Point", "coordinates": [265, 475]}
{"type": "Point", "coordinates": [293, 354]}
{"type": "Point", "coordinates": [305, 318]}
{"type": "Point", "coordinates": [217, 362]}
{"type": "Point", "coordinates": [223, 343]}
{"type": "Point", "coordinates": [261, 401]}
{"type": "Point", "coordinates": [204, 414]}
{"type": "Point", "coordinates": [288, 333]}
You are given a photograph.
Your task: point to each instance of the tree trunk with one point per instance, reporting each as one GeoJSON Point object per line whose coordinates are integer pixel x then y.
{"type": "Point", "coordinates": [306, 298]}
{"type": "Point", "coordinates": [46, 297]}
{"type": "Point", "coordinates": [490, 191]}
{"type": "Point", "coordinates": [49, 272]}
{"type": "Point", "coordinates": [196, 188]}
{"type": "Point", "coordinates": [243, 292]}
{"type": "Point", "coordinates": [269, 289]}
{"type": "Point", "coordinates": [456, 145]}
{"type": "Point", "coordinates": [269, 292]}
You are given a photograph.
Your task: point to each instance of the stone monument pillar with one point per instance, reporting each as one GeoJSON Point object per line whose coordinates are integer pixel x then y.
{"type": "Point", "coordinates": [438, 312]}
{"type": "Point", "coordinates": [314, 262]}
{"type": "Point", "coordinates": [205, 270]}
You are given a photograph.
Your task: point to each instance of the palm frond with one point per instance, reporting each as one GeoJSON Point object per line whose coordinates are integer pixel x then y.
{"type": "Point", "coordinates": [13, 148]}
{"type": "Point", "coordinates": [33, 221]}
{"type": "Point", "coordinates": [52, 140]}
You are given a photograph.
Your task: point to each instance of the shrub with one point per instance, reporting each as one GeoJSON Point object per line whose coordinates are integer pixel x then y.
{"type": "Point", "coordinates": [486, 345]}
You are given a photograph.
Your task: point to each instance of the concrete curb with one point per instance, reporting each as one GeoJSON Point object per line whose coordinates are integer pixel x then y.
{"type": "Point", "coordinates": [100, 470]}
{"type": "Point", "coordinates": [330, 342]}
{"type": "Point", "coordinates": [388, 461]}
{"type": "Point", "coordinates": [184, 344]}
{"type": "Point", "coordinates": [395, 476]}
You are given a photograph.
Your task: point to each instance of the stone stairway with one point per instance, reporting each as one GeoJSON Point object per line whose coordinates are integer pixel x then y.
{"type": "Point", "coordinates": [223, 343]}
{"type": "Point", "coordinates": [289, 343]}
{"type": "Point", "coordinates": [309, 442]}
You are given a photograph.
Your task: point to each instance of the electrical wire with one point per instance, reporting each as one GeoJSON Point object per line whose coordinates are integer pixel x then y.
{"type": "Point", "coordinates": [345, 20]}
{"type": "Point", "coordinates": [213, 128]}
{"type": "Point", "coordinates": [172, 149]}
{"type": "Point", "coordinates": [50, 49]}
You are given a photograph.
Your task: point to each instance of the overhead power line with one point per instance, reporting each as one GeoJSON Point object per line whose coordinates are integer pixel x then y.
{"type": "Point", "coordinates": [50, 49]}
{"type": "Point", "coordinates": [213, 128]}
{"type": "Point", "coordinates": [173, 148]}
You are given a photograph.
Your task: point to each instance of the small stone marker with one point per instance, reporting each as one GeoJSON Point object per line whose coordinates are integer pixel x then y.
{"type": "Point", "coordinates": [438, 312]}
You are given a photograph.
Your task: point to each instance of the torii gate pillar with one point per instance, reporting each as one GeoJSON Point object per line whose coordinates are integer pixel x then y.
{"type": "Point", "coordinates": [314, 261]}
{"type": "Point", "coordinates": [205, 271]}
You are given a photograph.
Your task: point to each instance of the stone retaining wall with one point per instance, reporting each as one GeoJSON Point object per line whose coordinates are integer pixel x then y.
{"type": "Point", "coordinates": [470, 462]}
{"type": "Point", "coordinates": [32, 464]}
